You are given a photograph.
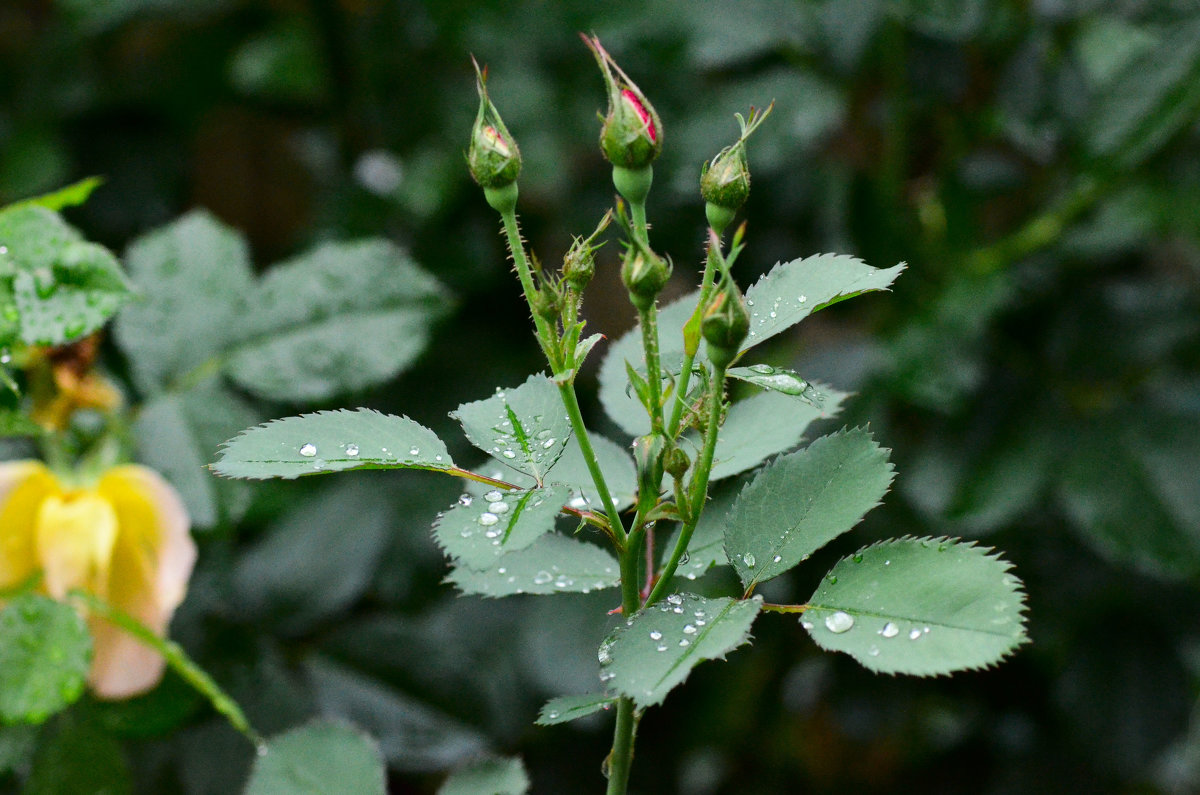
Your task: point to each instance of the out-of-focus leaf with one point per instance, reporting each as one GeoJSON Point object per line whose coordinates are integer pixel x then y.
{"type": "Point", "coordinates": [525, 428]}
{"type": "Point", "coordinates": [45, 652]}
{"type": "Point", "coordinates": [552, 564]}
{"type": "Point", "coordinates": [316, 559]}
{"type": "Point", "coordinates": [645, 657]}
{"type": "Point", "coordinates": [802, 501]}
{"type": "Point", "coordinates": [491, 776]}
{"type": "Point", "coordinates": [195, 278]}
{"type": "Point", "coordinates": [412, 735]}
{"type": "Point", "coordinates": [478, 530]}
{"type": "Point", "coordinates": [177, 434]}
{"type": "Point", "coordinates": [79, 758]}
{"type": "Point", "coordinates": [331, 441]}
{"type": "Point", "coordinates": [921, 606]}
{"type": "Point", "coordinates": [340, 317]}
{"type": "Point", "coordinates": [282, 64]}
{"type": "Point", "coordinates": [317, 759]}
{"type": "Point", "coordinates": [568, 708]}
{"type": "Point", "coordinates": [17, 423]}
{"type": "Point", "coordinates": [16, 745]}
{"type": "Point", "coordinates": [71, 196]}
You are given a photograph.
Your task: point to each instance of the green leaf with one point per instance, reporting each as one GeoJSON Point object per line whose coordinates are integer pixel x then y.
{"type": "Point", "coordinates": [79, 758]}
{"type": "Point", "coordinates": [707, 546]}
{"type": "Point", "coordinates": [71, 196]}
{"type": "Point", "coordinates": [176, 435]}
{"type": "Point", "coordinates": [804, 500]}
{"type": "Point", "coordinates": [552, 564]}
{"type": "Point", "coordinates": [196, 280]}
{"type": "Point", "coordinates": [17, 423]}
{"type": "Point", "coordinates": [618, 400]}
{"type": "Point", "coordinates": [16, 746]}
{"type": "Point", "coordinates": [488, 777]}
{"type": "Point", "coordinates": [317, 759]}
{"type": "Point", "coordinates": [568, 708]}
{"type": "Point", "coordinates": [63, 286]}
{"type": "Point", "coordinates": [478, 530]}
{"type": "Point", "coordinates": [620, 473]}
{"type": "Point", "coordinates": [764, 425]}
{"type": "Point", "coordinates": [341, 317]}
{"type": "Point", "coordinates": [331, 441]}
{"type": "Point", "coordinates": [656, 649]}
{"type": "Point", "coordinates": [793, 290]}
{"type": "Point", "coordinates": [411, 734]}
{"type": "Point", "coordinates": [1154, 97]}
{"type": "Point", "coordinates": [45, 652]}
{"type": "Point", "coordinates": [921, 606]}
{"type": "Point", "coordinates": [777, 379]}
{"type": "Point", "coordinates": [525, 428]}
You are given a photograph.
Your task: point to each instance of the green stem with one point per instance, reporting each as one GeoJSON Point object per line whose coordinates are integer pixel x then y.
{"type": "Point", "coordinates": [621, 758]}
{"type": "Point", "coordinates": [177, 658]}
{"type": "Point", "coordinates": [571, 402]}
{"type": "Point", "coordinates": [699, 487]}
{"type": "Point", "coordinates": [546, 336]}
{"type": "Point", "coordinates": [638, 212]}
{"type": "Point", "coordinates": [690, 347]}
{"type": "Point", "coordinates": [649, 321]}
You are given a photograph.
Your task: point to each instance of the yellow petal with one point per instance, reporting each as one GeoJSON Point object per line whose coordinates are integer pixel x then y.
{"type": "Point", "coordinates": [24, 485]}
{"type": "Point", "coordinates": [151, 562]}
{"type": "Point", "coordinates": [76, 534]}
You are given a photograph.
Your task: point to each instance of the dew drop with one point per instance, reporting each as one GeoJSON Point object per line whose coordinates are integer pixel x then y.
{"type": "Point", "coordinates": [656, 635]}
{"type": "Point", "coordinates": [889, 630]}
{"type": "Point", "coordinates": [551, 716]}
{"type": "Point", "coordinates": [661, 647]}
{"type": "Point", "coordinates": [308, 450]}
{"type": "Point", "coordinates": [414, 451]}
{"type": "Point", "coordinates": [684, 642]}
{"type": "Point", "coordinates": [465, 500]}
{"type": "Point", "coordinates": [677, 610]}
{"type": "Point", "coordinates": [493, 496]}
{"type": "Point", "coordinates": [502, 570]}
{"type": "Point", "coordinates": [542, 577]}
{"type": "Point", "coordinates": [777, 558]}
{"type": "Point", "coordinates": [806, 624]}
{"type": "Point", "coordinates": [509, 454]}
{"type": "Point", "coordinates": [873, 651]}
{"type": "Point", "coordinates": [773, 315]}
{"type": "Point", "coordinates": [750, 561]}
{"type": "Point", "coordinates": [689, 630]}
{"type": "Point", "coordinates": [498, 507]}
{"type": "Point", "coordinates": [916, 633]}
{"type": "Point", "coordinates": [488, 519]}
{"type": "Point", "coordinates": [351, 450]}
{"type": "Point", "coordinates": [839, 622]}
{"type": "Point", "coordinates": [802, 299]}
{"type": "Point", "coordinates": [546, 445]}
{"type": "Point", "coordinates": [675, 599]}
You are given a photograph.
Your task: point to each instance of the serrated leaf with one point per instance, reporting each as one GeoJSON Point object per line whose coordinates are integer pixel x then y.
{"type": "Point", "coordinates": [72, 195]}
{"type": "Point", "coordinates": [568, 708]}
{"type": "Point", "coordinates": [63, 286]}
{"type": "Point", "coordinates": [764, 425]}
{"type": "Point", "coordinates": [656, 650]}
{"type": "Point", "coordinates": [45, 652]}
{"type": "Point", "coordinates": [802, 501]}
{"type": "Point", "coordinates": [317, 759]}
{"type": "Point", "coordinates": [488, 777]}
{"type": "Point", "coordinates": [195, 277]}
{"type": "Point", "coordinates": [525, 428]}
{"type": "Point", "coordinates": [176, 435]}
{"type": "Point", "coordinates": [921, 606]}
{"type": "Point", "coordinates": [778, 379]}
{"type": "Point", "coordinates": [620, 404]}
{"type": "Point", "coordinates": [340, 317]}
{"type": "Point", "coordinates": [552, 564]}
{"type": "Point", "coordinates": [331, 441]}
{"type": "Point", "coordinates": [478, 530]}
{"type": "Point", "coordinates": [792, 291]}
{"type": "Point", "coordinates": [620, 473]}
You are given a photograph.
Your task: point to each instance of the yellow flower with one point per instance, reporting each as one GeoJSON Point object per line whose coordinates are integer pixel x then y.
{"type": "Point", "coordinates": [124, 539]}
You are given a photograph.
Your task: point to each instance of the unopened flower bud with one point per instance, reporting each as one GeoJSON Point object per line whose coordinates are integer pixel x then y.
{"type": "Point", "coordinates": [648, 454]}
{"type": "Point", "coordinates": [726, 323]}
{"type": "Point", "coordinates": [725, 182]}
{"type": "Point", "coordinates": [579, 264]}
{"type": "Point", "coordinates": [644, 274]}
{"type": "Point", "coordinates": [546, 303]}
{"type": "Point", "coordinates": [676, 462]}
{"type": "Point", "coordinates": [492, 157]}
{"type": "Point", "coordinates": [632, 133]}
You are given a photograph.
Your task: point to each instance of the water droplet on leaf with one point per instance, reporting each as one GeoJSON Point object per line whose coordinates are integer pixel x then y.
{"type": "Point", "coordinates": [839, 622]}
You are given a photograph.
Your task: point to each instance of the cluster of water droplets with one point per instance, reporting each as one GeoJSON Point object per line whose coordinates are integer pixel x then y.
{"type": "Point", "coordinates": [351, 450]}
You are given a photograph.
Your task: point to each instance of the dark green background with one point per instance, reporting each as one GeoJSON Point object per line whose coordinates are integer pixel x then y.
{"type": "Point", "coordinates": [1036, 370]}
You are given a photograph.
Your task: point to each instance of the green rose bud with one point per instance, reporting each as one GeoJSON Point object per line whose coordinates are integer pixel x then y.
{"type": "Point", "coordinates": [644, 274]}
{"type": "Point", "coordinates": [492, 156]}
{"type": "Point", "coordinates": [725, 182]}
{"type": "Point", "coordinates": [726, 323]}
{"type": "Point", "coordinates": [631, 137]}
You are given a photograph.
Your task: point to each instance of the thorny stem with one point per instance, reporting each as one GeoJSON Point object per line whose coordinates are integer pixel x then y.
{"type": "Point", "coordinates": [699, 486]}
{"type": "Point", "coordinates": [621, 757]}
{"type": "Point", "coordinates": [571, 402]}
{"type": "Point", "coordinates": [649, 323]}
{"type": "Point", "coordinates": [177, 658]}
{"type": "Point", "coordinates": [710, 267]}
{"type": "Point", "coordinates": [546, 336]}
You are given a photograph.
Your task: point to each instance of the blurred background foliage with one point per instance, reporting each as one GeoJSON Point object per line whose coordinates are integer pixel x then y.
{"type": "Point", "coordinates": [1036, 370]}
